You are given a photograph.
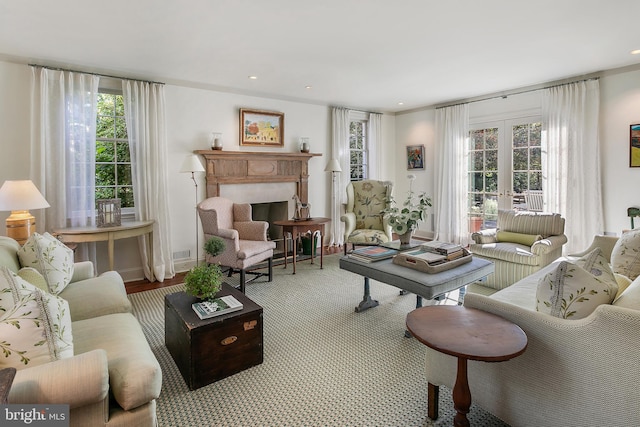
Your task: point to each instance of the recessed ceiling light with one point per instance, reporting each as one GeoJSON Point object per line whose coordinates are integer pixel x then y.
{"type": "Point", "coordinates": [253, 77]}
{"type": "Point", "coordinates": [308, 87]}
{"type": "Point", "coordinates": [635, 52]}
{"type": "Point", "coordinates": [400, 103]}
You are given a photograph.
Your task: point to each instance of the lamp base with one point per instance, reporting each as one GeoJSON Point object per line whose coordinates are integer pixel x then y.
{"type": "Point", "coordinates": [20, 225]}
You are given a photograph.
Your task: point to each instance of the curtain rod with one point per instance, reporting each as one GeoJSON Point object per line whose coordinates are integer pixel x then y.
{"type": "Point", "coordinates": [94, 74]}
{"type": "Point", "coordinates": [517, 93]}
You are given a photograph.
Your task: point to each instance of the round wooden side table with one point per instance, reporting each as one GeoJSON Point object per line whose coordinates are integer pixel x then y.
{"type": "Point", "coordinates": [468, 334]}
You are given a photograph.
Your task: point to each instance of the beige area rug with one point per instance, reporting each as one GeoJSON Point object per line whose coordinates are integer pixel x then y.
{"type": "Point", "coordinates": [324, 364]}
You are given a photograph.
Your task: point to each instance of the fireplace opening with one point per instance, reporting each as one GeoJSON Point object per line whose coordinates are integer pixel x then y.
{"type": "Point", "coordinates": [270, 212]}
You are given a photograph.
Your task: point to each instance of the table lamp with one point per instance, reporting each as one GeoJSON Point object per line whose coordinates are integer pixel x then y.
{"type": "Point", "coordinates": [18, 197]}
{"type": "Point", "coordinates": [192, 164]}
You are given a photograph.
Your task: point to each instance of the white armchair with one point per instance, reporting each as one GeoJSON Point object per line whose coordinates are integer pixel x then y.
{"type": "Point", "coordinates": [522, 244]}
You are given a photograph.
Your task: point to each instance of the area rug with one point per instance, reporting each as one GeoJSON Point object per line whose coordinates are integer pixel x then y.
{"type": "Point", "coordinates": [324, 364]}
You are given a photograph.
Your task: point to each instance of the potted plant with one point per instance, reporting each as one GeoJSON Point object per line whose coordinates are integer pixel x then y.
{"type": "Point", "coordinates": [204, 281]}
{"type": "Point", "coordinates": [404, 219]}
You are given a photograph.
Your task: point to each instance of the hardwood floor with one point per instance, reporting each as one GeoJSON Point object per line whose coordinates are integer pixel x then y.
{"type": "Point", "coordinates": [144, 285]}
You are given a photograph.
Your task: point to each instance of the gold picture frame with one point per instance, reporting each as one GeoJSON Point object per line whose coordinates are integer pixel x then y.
{"type": "Point", "coordinates": [261, 128]}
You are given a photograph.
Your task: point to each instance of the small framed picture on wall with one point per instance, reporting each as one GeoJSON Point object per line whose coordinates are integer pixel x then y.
{"type": "Point", "coordinates": [415, 157]}
{"type": "Point", "coordinates": [634, 146]}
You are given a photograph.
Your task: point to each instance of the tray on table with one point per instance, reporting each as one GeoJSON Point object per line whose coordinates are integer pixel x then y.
{"type": "Point", "coordinates": [422, 265]}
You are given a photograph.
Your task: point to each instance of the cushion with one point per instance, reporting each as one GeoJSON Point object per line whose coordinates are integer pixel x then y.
{"type": "Point", "coordinates": [521, 238]}
{"type": "Point", "coordinates": [630, 297]}
{"type": "Point", "coordinates": [574, 290]}
{"type": "Point", "coordinates": [623, 283]}
{"type": "Point", "coordinates": [50, 257]}
{"type": "Point", "coordinates": [625, 257]}
{"type": "Point", "coordinates": [35, 326]}
{"type": "Point", "coordinates": [34, 277]}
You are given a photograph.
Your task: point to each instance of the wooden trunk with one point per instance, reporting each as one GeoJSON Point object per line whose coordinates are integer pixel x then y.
{"type": "Point", "coordinates": [212, 349]}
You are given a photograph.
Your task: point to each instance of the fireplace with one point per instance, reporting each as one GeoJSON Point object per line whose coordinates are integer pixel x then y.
{"type": "Point", "coordinates": [266, 180]}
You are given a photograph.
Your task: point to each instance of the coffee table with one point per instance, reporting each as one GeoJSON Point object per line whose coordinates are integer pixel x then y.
{"type": "Point", "coordinates": [296, 227]}
{"type": "Point", "coordinates": [424, 285]}
{"type": "Point", "coordinates": [468, 334]}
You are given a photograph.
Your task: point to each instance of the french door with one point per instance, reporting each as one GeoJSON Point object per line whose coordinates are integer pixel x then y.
{"type": "Point", "coordinates": [505, 162]}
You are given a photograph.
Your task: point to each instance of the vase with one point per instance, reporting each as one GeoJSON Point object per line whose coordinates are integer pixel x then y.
{"type": "Point", "coordinates": [405, 238]}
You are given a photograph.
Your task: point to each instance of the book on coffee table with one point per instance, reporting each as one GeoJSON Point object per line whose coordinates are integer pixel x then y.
{"type": "Point", "coordinates": [216, 307]}
{"type": "Point", "coordinates": [372, 253]}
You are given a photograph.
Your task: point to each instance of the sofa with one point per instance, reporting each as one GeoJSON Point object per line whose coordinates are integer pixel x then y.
{"type": "Point", "coordinates": [99, 363]}
{"type": "Point", "coordinates": [523, 243]}
{"type": "Point", "coordinates": [576, 371]}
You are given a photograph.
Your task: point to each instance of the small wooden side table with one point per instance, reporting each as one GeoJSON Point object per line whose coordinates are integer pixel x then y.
{"type": "Point", "coordinates": [110, 234]}
{"type": "Point", "coordinates": [468, 334]}
{"type": "Point", "coordinates": [300, 227]}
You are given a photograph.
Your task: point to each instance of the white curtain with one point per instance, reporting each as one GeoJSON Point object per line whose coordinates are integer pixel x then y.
{"type": "Point", "coordinates": [63, 148]}
{"type": "Point", "coordinates": [145, 116]}
{"type": "Point", "coordinates": [571, 160]}
{"type": "Point", "coordinates": [340, 151]}
{"type": "Point", "coordinates": [451, 176]}
{"type": "Point", "coordinates": [374, 139]}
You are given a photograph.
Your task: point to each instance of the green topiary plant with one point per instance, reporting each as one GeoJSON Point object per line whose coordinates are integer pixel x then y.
{"type": "Point", "coordinates": [203, 281]}
{"type": "Point", "coordinates": [214, 246]}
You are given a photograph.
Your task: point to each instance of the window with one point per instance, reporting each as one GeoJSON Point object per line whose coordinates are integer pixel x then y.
{"type": "Point", "coordinates": [358, 149]}
{"type": "Point", "coordinates": [113, 159]}
{"type": "Point", "coordinates": [503, 166]}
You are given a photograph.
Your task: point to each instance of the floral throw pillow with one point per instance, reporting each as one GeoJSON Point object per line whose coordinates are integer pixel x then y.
{"type": "Point", "coordinates": [573, 292]}
{"type": "Point", "coordinates": [51, 258]}
{"type": "Point", "coordinates": [625, 256]}
{"type": "Point", "coordinates": [35, 326]}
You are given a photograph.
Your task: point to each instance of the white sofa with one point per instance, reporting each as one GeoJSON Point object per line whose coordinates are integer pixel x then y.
{"type": "Point", "coordinates": [112, 378]}
{"type": "Point", "coordinates": [573, 373]}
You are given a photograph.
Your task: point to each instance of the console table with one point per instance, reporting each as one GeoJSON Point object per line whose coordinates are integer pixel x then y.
{"type": "Point", "coordinates": [109, 235]}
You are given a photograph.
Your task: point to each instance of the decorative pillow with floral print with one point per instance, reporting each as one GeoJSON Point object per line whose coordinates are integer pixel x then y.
{"type": "Point", "coordinates": [572, 292]}
{"type": "Point", "coordinates": [35, 326]}
{"type": "Point", "coordinates": [625, 256]}
{"type": "Point", "coordinates": [51, 258]}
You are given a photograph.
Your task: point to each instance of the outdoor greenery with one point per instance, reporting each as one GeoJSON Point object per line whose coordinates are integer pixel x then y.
{"type": "Point", "coordinates": [113, 159]}
{"type": "Point", "coordinates": [357, 150]}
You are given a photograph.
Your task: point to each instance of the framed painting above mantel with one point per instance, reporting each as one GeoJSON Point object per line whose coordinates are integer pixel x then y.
{"type": "Point", "coordinates": [261, 128]}
{"type": "Point", "coordinates": [634, 146]}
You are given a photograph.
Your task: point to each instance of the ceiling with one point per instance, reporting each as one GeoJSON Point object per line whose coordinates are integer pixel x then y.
{"type": "Point", "coordinates": [368, 55]}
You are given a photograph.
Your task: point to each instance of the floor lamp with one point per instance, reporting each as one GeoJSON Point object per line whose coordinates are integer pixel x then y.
{"type": "Point", "coordinates": [334, 167]}
{"type": "Point", "coordinates": [192, 164]}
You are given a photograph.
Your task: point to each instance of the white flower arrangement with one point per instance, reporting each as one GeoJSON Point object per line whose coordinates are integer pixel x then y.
{"type": "Point", "coordinates": [405, 218]}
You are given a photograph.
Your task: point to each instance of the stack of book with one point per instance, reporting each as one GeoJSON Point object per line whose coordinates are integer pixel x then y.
{"type": "Point", "coordinates": [450, 251]}
{"type": "Point", "coordinates": [216, 307]}
{"type": "Point", "coordinates": [372, 253]}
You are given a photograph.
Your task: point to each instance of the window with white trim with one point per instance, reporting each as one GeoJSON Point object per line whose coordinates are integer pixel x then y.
{"type": "Point", "coordinates": [113, 159]}
{"type": "Point", "coordinates": [358, 149]}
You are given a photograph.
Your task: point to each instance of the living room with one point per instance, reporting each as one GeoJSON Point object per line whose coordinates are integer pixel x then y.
{"type": "Point", "coordinates": [195, 110]}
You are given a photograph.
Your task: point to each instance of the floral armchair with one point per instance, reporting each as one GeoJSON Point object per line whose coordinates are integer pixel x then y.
{"type": "Point", "coordinates": [364, 222]}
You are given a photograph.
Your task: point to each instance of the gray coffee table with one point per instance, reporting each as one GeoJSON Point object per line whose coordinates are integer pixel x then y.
{"type": "Point", "coordinates": [424, 285]}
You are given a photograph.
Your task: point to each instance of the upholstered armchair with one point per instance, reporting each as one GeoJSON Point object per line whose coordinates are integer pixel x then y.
{"type": "Point", "coordinates": [245, 240]}
{"type": "Point", "coordinates": [364, 224]}
{"type": "Point", "coordinates": [522, 244]}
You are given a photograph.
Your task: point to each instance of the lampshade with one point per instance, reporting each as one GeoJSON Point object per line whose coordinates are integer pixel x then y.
{"type": "Point", "coordinates": [191, 163]}
{"type": "Point", "coordinates": [333, 166]}
{"type": "Point", "coordinates": [20, 196]}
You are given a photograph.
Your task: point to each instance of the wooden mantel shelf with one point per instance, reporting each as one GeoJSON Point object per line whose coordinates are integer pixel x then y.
{"type": "Point", "coordinates": [253, 167]}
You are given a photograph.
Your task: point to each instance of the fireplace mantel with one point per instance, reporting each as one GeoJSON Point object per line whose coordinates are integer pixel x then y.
{"type": "Point", "coordinates": [250, 167]}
